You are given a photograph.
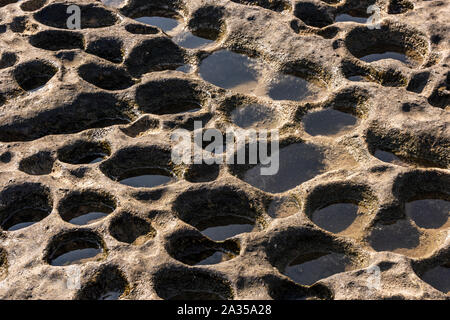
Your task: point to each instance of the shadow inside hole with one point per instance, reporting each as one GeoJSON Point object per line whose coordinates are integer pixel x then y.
{"type": "Point", "coordinates": [329, 122]}
{"type": "Point", "coordinates": [86, 208]}
{"type": "Point", "coordinates": [108, 284]}
{"type": "Point", "coordinates": [23, 218]}
{"type": "Point", "coordinates": [74, 247]}
{"type": "Point", "coordinates": [84, 152]}
{"type": "Point", "coordinates": [310, 268]}
{"type": "Point", "coordinates": [131, 229]}
{"type": "Point", "coordinates": [33, 75]}
{"type": "Point", "coordinates": [428, 213]}
{"type": "Point", "coordinates": [196, 250]}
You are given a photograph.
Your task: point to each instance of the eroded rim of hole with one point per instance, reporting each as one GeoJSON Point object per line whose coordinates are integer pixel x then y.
{"type": "Point", "coordinates": [72, 240]}
{"type": "Point", "coordinates": [129, 228]}
{"type": "Point", "coordinates": [24, 197]}
{"type": "Point", "coordinates": [108, 283]}
{"type": "Point", "coordinates": [175, 283]}
{"type": "Point", "coordinates": [84, 151]}
{"type": "Point", "coordinates": [34, 74]}
{"type": "Point", "coordinates": [80, 203]}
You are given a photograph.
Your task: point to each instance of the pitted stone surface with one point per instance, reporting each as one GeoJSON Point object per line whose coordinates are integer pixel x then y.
{"type": "Point", "coordinates": [81, 109]}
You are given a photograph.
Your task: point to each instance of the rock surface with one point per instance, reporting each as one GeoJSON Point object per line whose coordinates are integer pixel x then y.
{"type": "Point", "coordinates": [114, 90]}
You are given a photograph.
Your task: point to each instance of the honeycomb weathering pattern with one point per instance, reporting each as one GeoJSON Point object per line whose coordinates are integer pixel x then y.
{"type": "Point", "coordinates": [112, 88]}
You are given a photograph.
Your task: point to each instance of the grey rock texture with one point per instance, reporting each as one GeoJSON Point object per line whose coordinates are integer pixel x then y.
{"type": "Point", "coordinates": [113, 88]}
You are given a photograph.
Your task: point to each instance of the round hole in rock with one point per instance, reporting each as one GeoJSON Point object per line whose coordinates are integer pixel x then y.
{"type": "Point", "coordinates": [313, 14]}
{"type": "Point", "coordinates": [32, 5]}
{"type": "Point", "coordinates": [92, 16]}
{"type": "Point", "coordinates": [169, 96]}
{"type": "Point", "coordinates": [155, 54]}
{"type": "Point", "coordinates": [329, 122]}
{"type": "Point", "coordinates": [24, 205]}
{"type": "Point", "coordinates": [230, 70]}
{"type": "Point", "coordinates": [254, 116]}
{"type": "Point", "coordinates": [219, 213]}
{"type": "Point", "coordinates": [298, 162]}
{"type": "Point", "coordinates": [131, 229]}
{"type": "Point", "coordinates": [84, 152]}
{"type": "Point", "coordinates": [8, 59]}
{"type": "Point", "coordinates": [438, 277]}
{"type": "Point", "coordinates": [109, 283]}
{"type": "Point", "coordinates": [387, 43]}
{"type": "Point", "coordinates": [403, 238]}
{"type": "Point", "coordinates": [135, 28]}
{"type": "Point", "coordinates": [33, 75]}
{"type": "Point", "coordinates": [107, 48]}
{"type": "Point", "coordinates": [146, 178]}
{"type": "Point", "coordinates": [193, 249]}
{"type": "Point", "coordinates": [428, 213]}
{"type": "Point", "coordinates": [208, 22]}
{"type": "Point", "coordinates": [179, 283]}
{"type": "Point", "coordinates": [105, 77]}
{"type": "Point", "coordinates": [310, 268]}
{"type": "Point", "coordinates": [55, 40]}
{"type": "Point", "coordinates": [74, 247]}
{"type": "Point", "coordinates": [40, 163]}
{"type": "Point", "coordinates": [86, 207]}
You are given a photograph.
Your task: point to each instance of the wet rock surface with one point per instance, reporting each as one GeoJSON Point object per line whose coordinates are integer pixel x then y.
{"type": "Point", "coordinates": [83, 110]}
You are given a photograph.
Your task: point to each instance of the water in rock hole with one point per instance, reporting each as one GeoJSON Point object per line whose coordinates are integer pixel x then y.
{"type": "Point", "coordinates": [111, 295]}
{"type": "Point", "coordinates": [297, 163]}
{"type": "Point", "coordinates": [77, 256]}
{"type": "Point", "coordinates": [221, 228]}
{"type": "Point", "coordinates": [215, 258]}
{"type": "Point", "coordinates": [88, 218]}
{"type": "Point", "coordinates": [146, 178]}
{"type": "Point", "coordinates": [336, 217]}
{"type": "Point", "coordinates": [165, 24]}
{"type": "Point", "coordinates": [428, 213]}
{"type": "Point", "coordinates": [289, 87]}
{"type": "Point", "coordinates": [254, 116]}
{"type": "Point", "coordinates": [348, 18]}
{"type": "Point", "coordinates": [311, 268]}
{"type": "Point", "coordinates": [385, 55]}
{"type": "Point", "coordinates": [388, 157]}
{"type": "Point", "coordinates": [439, 278]}
{"type": "Point", "coordinates": [329, 122]}
{"type": "Point", "coordinates": [24, 218]}
{"type": "Point", "coordinates": [228, 70]}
